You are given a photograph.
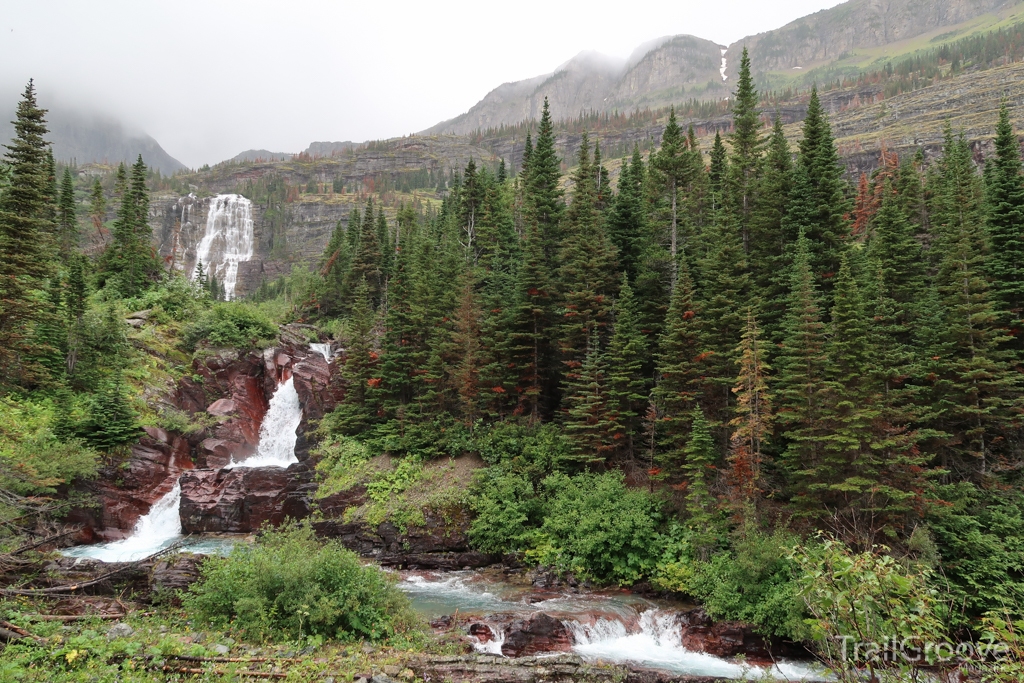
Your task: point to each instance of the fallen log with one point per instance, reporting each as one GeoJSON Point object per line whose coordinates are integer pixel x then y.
{"type": "Point", "coordinates": [197, 671]}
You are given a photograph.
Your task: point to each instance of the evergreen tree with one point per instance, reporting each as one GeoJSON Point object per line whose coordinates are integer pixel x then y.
{"type": "Point", "coordinates": [366, 259]}
{"type": "Point", "coordinates": [627, 384]}
{"type": "Point", "coordinates": [67, 221]}
{"type": "Point", "coordinates": [746, 151]}
{"type": "Point", "coordinates": [545, 206]}
{"type": "Point", "coordinates": [357, 411]}
{"type": "Point", "coordinates": [700, 459]}
{"type": "Point", "coordinates": [626, 220]}
{"type": "Point", "coordinates": [718, 173]}
{"type": "Point", "coordinates": [681, 373]}
{"type": "Point", "coordinates": [588, 419]}
{"type": "Point", "coordinates": [112, 423]}
{"type": "Point", "coordinates": [75, 299]}
{"type": "Point", "coordinates": [25, 244]}
{"type": "Point", "coordinates": [753, 422]}
{"type": "Point", "coordinates": [671, 166]}
{"type": "Point", "coordinates": [97, 207]}
{"type": "Point", "coordinates": [1005, 220]}
{"type": "Point", "coordinates": [587, 274]}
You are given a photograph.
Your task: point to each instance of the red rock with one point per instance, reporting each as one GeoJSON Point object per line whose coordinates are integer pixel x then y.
{"type": "Point", "coordinates": [700, 633]}
{"type": "Point", "coordinates": [243, 499]}
{"type": "Point", "coordinates": [221, 407]}
{"type": "Point", "coordinates": [539, 634]}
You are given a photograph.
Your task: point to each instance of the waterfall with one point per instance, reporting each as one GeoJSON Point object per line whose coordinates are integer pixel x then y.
{"type": "Point", "coordinates": [277, 433]}
{"type": "Point", "coordinates": [228, 239]}
{"type": "Point", "coordinates": [161, 526]}
{"type": "Point", "coordinates": [154, 531]}
{"type": "Point", "coordinates": [324, 350]}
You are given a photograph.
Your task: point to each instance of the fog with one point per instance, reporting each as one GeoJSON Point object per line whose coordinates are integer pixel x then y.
{"type": "Point", "coordinates": [210, 79]}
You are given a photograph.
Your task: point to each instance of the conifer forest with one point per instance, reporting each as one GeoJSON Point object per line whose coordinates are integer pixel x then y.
{"type": "Point", "coordinates": [718, 371]}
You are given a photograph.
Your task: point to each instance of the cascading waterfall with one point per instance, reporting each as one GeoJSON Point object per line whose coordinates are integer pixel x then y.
{"type": "Point", "coordinates": [228, 239]}
{"type": "Point", "coordinates": [161, 526]}
{"type": "Point", "coordinates": [324, 350]}
{"type": "Point", "coordinates": [277, 434]}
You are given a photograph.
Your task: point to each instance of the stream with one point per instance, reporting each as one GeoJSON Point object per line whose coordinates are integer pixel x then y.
{"type": "Point", "coordinates": [607, 626]}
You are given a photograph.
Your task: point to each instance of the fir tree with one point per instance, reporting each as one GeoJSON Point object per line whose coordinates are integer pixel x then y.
{"type": "Point", "coordinates": [75, 300]}
{"type": "Point", "coordinates": [671, 166]}
{"type": "Point", "coordinates": [67, 221]}
{"type": "Point", "coordinates": [626, 221]}
{"type": "Point", "coordinates": [357, 411]}
{"type": "Point", "coordinates": [545, 205]}
{"type": "Point", "coordinates": [746, 150]}
{"type": "Point", "coordinates": [752, 425]}
{"type": "Point", "coordinates": [700, 459]}
{"type": "Point", "coordinates": [25, 244]}
{"type": "Point", "coordinates": [588, 418]}
{"type": "Point", "coordinates": [627, 385]}
{"type": "Point", "coordinates": [1005, 221]}
{"type": "Point", "coordinates": [718, 173]}
{"type": "Point", "coordinates": [112, 422]}
{"type": "Point", "coordinates": [366, 259]}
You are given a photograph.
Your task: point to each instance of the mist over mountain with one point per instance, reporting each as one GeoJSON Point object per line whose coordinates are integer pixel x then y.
{"type": "Point", "coordinates": [86, 137]}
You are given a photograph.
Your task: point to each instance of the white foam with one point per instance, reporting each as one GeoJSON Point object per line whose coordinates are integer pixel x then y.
{"type": "Point", "coordinates": [277, 434]}
{"type": "Point", "coordinates": [154, 531]}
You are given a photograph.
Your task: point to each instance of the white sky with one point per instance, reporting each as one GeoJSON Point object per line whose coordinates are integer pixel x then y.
{"type": "Point", "coordinates": [211, 78]}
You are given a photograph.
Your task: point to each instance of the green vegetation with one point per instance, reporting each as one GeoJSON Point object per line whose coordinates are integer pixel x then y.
{"type": "Point", "coordinates": [230, 325]}
{"type": "Point", "coordinates": [289, 585]}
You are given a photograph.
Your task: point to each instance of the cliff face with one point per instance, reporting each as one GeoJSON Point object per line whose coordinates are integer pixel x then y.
{"type": "Point", "coordinates": [857, 24]}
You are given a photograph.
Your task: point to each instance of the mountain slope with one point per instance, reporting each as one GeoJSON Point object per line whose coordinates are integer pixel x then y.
{"type": "Point", "coordinates": [672, 68]}
{"type": "Point", "coordinates": [832, 34]}
{"type": "Point", "coordinates": [84, 138]}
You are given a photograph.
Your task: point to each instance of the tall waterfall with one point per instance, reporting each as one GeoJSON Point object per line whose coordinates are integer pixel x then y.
{"type": "Point", "coordinates": [228, 239]}
{"type": "Point", "coordinates": [161, 526]}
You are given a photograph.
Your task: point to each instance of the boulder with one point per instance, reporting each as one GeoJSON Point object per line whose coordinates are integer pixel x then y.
{"type": "Point", "coordinates": [701, 633]}
{"type": "Point", "coordinates": [241, 500]}
{"type": "Point", "coordinates": [540, 633]}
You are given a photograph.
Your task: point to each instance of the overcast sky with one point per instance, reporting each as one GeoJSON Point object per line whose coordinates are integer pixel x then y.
{"type": "Point", "coordinates": [209, 79]}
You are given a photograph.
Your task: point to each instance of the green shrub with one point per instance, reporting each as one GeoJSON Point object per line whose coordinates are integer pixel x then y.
{"type": "Point", "coordinates": [536, 451]}
{"type": "Point", "coordinates": [508, 512]}
{"type": "Point", "coordinates": [596, 527]}
{"type": "Point", "coordinates": [231, 324]}
{"type": "Point", "coordinates": [290, 585]}
{"type": "Point", "coordinates": [178, 297]}
{"type": "Point", "coordinates": [755, 581]}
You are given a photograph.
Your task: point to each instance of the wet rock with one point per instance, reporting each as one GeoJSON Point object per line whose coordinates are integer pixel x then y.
{"type": "Point", "coordinates": [482, 632]}
{"type": "Point", "coordinates": [494, 669]}
{"type": "Point", "coordinates": [701, 633]}
{"type": "Point", "coordinates": [222, 407]}
{"type": "Point", "coordinates": [119, 630]}
{"type": "Point", "coordinates": [241, 500]}
{"type": "Point", "coordinates": [540, 633]}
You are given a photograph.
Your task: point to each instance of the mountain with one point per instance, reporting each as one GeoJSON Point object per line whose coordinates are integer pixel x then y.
{"type": "Point", "coordinates": [260, 155]}
{"type": "Point", "coordinates": [85, 137]}
{"type": "Point", "coordinates": [673, 69]}
{"type": "Point", "coordinates": [840, 33]}
{"type": "Point", "coordinates": [660, 72]}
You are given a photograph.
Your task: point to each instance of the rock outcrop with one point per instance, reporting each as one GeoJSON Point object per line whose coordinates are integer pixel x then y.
{"type": "Point", "coordinates": [241, 500]}
{"type": "Point", "coordinates": [538, 634]}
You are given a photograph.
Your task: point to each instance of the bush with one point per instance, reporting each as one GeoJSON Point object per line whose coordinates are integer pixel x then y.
{"type": "Point", "coordinates": [595, 527]}
{"type": "Point", "coordinates": [535, 451]}
{"type": "Point", "coordinates": [508, 512]}
{"type": "Point", "coordinates": [290, 585]}
{"type": "Point", "coordinates": [755, 581]}
{"type": "Point", "coordinates": [178, 297]}
{"type": "Point", "coordinates": [232, 324]}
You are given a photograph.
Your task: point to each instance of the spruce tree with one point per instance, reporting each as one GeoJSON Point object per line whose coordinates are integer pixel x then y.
{"type": "Point", "coordinates": [682, 370]}
{"type": "Point", "coordinates": [626, 220]}
{"type": "Point", "coordinates": [75, 299]}
{"type": "Point", "coordinates": [718, 171]}
{"type": "Point", "coordinates": [67, 221]}
{"type": "Point", "coordinates": [700, 458]}
{"type": "Point", "coordinates": [752, 425]}
{"type": "Point", "coordinates": [670, 166]}
{"type": "Point", "coordinates": [112, 422]}
{"type": "Point", "coordinates": [544, 195]}
{"type": "Point", "coordinates": [357, 411]}
{"type": "Point", "coordinates": [746, 151]}
{"type": "Point", "coordinates": [1005, 221]}
{"type": "Point", "coordinates": [366, 259]}
{"type": "Point", "coordinates": [589, 420]}
{"type": "Point", "coordinates": [627, 384]}
{"type": "Point", "coordinates": [25, 239]}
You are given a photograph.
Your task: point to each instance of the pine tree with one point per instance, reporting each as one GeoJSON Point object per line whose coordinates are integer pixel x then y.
{"type": "Point", "coordinates": [627, 384]}
{"type": "Point", "coordinates": [357, 412]}
{"type": "Point", "coordinates": [718, 172]}
{"type": "Point", "coordinates": [67, 221]}
{"type": "Point", "coordinates": [746, 151]}
{"type": "Point", "coordinates": [588, 420]}
{"type": "Point", "coordinates": [700, 459]}
{"type": "Point", "coordinates": [819, 207]}
{"type": "Point", "coordinates": [112, 422]}
{"type": "Point", "coordinates": [752, 425]}
{"type": "Point", "coordinates": [770, 245]}
{"type": "Point", "coordinates": [545, 205]}
{"type": "Point", "coordinates": [626, 220]}
{"type": "Point", "coordinates": [469, 357]}
{"type": "Point", "coordinates": [25, 244]}
{"type": "Point", "coordinates": [366, 259]}
{"type": "Point", "coordinates": [587, 276]}
{"type": "Point", "coordinates": [670, 167]}
{"type": "Point", "coordinates": [75, 299]}
{"type": "Point", "coordinates": [800, 380]}
{"type": "Point", "coordinates": [1005, 221]}
{"type": "Point", "coordinates": [681, 373]}
{"type": "Point", "coordinates": [97, 207]}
